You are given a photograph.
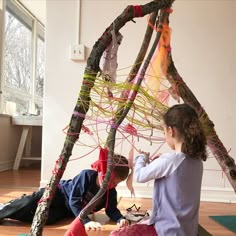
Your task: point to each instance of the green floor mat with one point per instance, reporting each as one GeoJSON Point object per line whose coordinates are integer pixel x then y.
{"type": "Point", "coordinates": [228, 222]}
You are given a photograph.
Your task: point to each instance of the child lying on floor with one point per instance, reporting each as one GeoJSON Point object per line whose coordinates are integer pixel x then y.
{"type": "Point", "coordinates": [71, 196]}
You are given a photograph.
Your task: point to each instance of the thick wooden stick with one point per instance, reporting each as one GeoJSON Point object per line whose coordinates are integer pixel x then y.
{"type": "Point", "coordinates": [120, 115]}
{"type": "Point", "coordinates": [216, 146]}
{"type": "Point", "coordinates": [82, 107]}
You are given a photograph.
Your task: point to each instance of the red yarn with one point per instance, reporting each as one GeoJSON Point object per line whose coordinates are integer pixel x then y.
{"type": "Point", "coordinates": [168, 10]}
{"type": "Point", "coordinates": [76, 228]}
{"type": "Point", "coordinates": [101, 165]}
{"type": "Point", "coordinates": [138, 11]}
{"type": "Point", "coordinates": [130, 129]}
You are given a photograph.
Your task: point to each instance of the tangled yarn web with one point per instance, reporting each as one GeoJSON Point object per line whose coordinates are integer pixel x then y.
{"type": "Point", "coordinates": [143, 120]}
{"type": "Point", "coordinates": [111, 92]}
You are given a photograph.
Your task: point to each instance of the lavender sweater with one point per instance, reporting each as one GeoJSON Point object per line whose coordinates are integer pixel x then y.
{"type": "Point", "coordinates": [176, 195]}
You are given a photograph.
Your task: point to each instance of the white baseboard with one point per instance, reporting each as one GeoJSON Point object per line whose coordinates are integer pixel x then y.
{"type": "Point", "coordinates": [208, 194]}
{"type": "Point", "coordinates": [6, 165]}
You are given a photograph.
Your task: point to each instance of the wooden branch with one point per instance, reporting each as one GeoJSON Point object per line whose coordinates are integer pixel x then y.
{"type": "Point", "coordinates": [82, 107]}
{"type": "Point", "coordinates": [216, 146]}
{"type": "Point", "coordinates": [110, 143]}
{"type": "Point", "coordinates": [214, 143]}
{"type": "Point", "coordinates": [119, 22]}
{"type": "Point", "coordinates": [143, 50]}
{"type": "Point", "coordinates": [120, 115]}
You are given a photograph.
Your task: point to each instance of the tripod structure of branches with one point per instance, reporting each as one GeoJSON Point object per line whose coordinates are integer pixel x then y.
{"type": "Point", "coordinates": [159, 10]}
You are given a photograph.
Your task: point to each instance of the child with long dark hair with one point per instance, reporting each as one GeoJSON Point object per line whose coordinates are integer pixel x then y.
{"type": "Point", "coordinates": [177, 177]}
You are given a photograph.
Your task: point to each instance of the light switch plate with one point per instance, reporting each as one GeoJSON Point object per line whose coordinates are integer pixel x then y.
{"type": "Point", "coordinates": [77, 52]}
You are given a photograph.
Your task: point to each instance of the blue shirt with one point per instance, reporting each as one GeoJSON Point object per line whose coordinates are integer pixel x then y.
{"type": "Point", "coordinates": [82, 188]}
{"type": "Point", "coordinates": [176, 195]}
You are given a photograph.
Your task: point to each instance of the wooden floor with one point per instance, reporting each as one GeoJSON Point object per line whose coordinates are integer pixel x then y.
{"type": "Point", "coordinates": [15, 183]}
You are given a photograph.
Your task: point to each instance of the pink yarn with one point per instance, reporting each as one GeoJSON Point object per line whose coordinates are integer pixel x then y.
{"type": "Point", "coordinates": [135, 230]}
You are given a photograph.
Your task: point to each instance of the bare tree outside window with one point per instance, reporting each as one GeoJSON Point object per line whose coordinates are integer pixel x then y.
{"type": "Point", "coordinates": [19, 85]}
{"type": "Point", "coordinates": [40, 67]}
{"type": "Point", "coordinates": [18, 54]}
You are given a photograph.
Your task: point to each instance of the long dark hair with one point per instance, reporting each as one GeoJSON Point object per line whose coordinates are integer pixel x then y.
{"type": "Point", "coordinates": [185, 119]}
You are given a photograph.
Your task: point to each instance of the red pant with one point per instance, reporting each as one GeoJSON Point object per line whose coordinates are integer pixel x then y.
{"type": "Point", "coordinates": [135, 230]}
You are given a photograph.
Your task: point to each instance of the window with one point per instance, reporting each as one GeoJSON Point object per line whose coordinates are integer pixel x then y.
{"type": "Point", "coordinates": [23, 70]}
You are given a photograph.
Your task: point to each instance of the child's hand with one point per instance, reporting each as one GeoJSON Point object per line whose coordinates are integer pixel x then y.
{"type": "Point", "coordinates": [147, 155]}
{"type": "Point", "coordinates": [93, 225]}
{"type": "Point", "coordinates": [123, 223]}
{"type": "Point", "coordinates": [155, 157]}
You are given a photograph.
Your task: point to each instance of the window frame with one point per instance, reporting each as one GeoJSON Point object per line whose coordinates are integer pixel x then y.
{"type": "Point", "coordinates": [21, 13]}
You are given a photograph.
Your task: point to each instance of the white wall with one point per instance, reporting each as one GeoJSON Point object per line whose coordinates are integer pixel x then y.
{"type": "Point", "coordinates": [203, 45]}
{"type": "Point", "coordinates": [38, 8]}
